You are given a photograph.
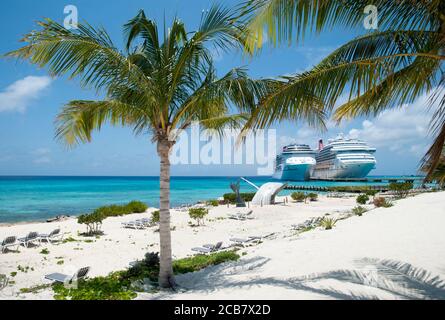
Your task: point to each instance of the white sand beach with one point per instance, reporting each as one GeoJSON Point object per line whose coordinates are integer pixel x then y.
{"type": "Point", "coordinates": [388, 253]}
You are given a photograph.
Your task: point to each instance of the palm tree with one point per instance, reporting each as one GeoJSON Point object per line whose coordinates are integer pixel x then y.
{"type": "Point", "coordinates": [382, 69]}
{"type": "Point", "coordinates": [157, 86]}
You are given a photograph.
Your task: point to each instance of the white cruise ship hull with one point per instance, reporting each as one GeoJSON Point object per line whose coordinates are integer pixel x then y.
{"type": "Point", "coordinates": [340, 169]}
{"type": "Point", "coordinates": [295, 169]}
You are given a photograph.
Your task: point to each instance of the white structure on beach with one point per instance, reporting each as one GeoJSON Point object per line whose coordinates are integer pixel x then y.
{"type": "Point", "coordinates": [267, 192]}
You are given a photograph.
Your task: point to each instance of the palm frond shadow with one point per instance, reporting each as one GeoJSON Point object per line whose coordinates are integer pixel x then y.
{"type": "Point", "coordinates": [399, 279]}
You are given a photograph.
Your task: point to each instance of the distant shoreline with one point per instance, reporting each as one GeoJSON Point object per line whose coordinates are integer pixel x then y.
{"type": "Point", "coordinates": [38, 198]}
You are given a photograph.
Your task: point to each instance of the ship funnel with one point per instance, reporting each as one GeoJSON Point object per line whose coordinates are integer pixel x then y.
{"type": "Point", "coordinates": [320, 144]}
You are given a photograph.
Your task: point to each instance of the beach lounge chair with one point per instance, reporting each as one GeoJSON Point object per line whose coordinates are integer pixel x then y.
{"type": "Point", "coordinates": [137, 224]}
{"type": "Point", "coordinates": [241, 216]}
{"type": "Point", "coordinates": [242, 241]}
{"type": "Point", "coordinates": [9, 242]}
{"type": "Point", "coordinates": [208, 248]}
{"type": "Point", "coordinates": [30, 238]}
{"type": "Point", "coordinates": [63, 278]}
{"type": "Point", "coordinates": [55, 234]}
{"type": "Point", "coordinates": [147, 222]}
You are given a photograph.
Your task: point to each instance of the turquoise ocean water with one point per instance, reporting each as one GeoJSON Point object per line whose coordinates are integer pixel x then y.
{"type": "Point", "coordinates": [40, 198]}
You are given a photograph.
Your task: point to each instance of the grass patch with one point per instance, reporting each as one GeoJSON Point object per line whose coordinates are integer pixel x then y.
{"type": "Point", "coordinates": [70, 239]}
{"type": "Point", "coordinates": [328, 223]}
{"type": "Point", "coordinates": [35, 289]}
{"type": "Point", "coordinates": [124, 285]}
{"type": "Point", "coordinates": [44, 251]}
{"type": "Point", "coordinates": [202, 261]}
{"type": "Point", "coordinates": [359, 211]}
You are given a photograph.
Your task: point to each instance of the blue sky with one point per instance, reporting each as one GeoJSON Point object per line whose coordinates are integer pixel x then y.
{"type": "Point", "coordinates": [29, 100]}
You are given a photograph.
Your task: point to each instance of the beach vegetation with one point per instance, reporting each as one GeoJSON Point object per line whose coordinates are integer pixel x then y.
{"type": "Point", "coordinates": [213, 202]}
{"type": "Point", "coordinates": [121, 210]}
{"type": "Point", "coordinates": [381, 202]}
{"type": "Point", "coordinates": [35, 289]}
{"type": "Point", "coordinates": [160, 84]}
{"type": "Point", "coordinates": [201, 261]}
{"type": "Point", "coordinates": [124, 285]}
{"type": "Point", "coordinates": [371, 193]}
{"type": "Point", "coordinates": [401, 189]}
{"type": "Point", "coordinates": [198, 214]}
{"type": "Point", "coordinates": [155, 215]}
{"type": "Point", "coordinates": [328, 223]}
{"type": "Point", "coordinates": [408, 37]}
{"type": "Point", "coordinates": [60, 262]}
{"type": "Point", "coordinates": [362, 199]}
{"type": "Point", "coordinates": [137, 207]}
{"type": "Point", "coordinates": [298, 196]}
{"type": "Point", "coordinates": [231, 197]}
{"type": "Point", "coordinates": [24, 269]}
{"type": "Point", "coordinates": [312, 196]}
{"type": "Point", "coordinates": [44, 251]}
{"type": "Point", "coordinates": [69, 239]}
{"type": "Point", "coordinates": [13, 274]}
{"type": "Point", "coordinates": [93, 222]}
{"type": "Point", "coordinates": [359, 211]}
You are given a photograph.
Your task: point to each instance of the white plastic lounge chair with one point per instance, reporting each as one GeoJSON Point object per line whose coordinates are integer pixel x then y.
{"type": "Point", "coordinates": [55, 234]}
{"type": "Point", "coordinates": [207, 248]}
{"type": "Point", "coordinates": [9, 242]}
{"type": "Point", "coordinates": [241, 216]}
{"type": "Point", "coordinates": [147, 222]}
{"type": "Point", "coordinates": [30, 238]}
{"type": "Point", "coordinates": [133, 225]}
{"type": "Point", "coordinates": [63, 278]}
{"type": "Point", "coordinates": [239, 240]}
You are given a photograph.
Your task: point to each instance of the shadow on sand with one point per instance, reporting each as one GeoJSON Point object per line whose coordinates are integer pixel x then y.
{"type": "Point", "coordinates": [371, 279]}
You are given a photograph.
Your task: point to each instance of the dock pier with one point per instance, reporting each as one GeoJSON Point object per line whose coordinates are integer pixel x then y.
{"type": "Point", "coordinates": [380, 188]}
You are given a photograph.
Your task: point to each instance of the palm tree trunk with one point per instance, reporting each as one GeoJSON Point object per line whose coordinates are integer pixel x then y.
{"type": "Point", "coordinates": [166, 277]}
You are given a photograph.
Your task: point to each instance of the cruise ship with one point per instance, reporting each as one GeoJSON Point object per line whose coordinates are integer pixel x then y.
{"type": "Point", "coordinates": [295, 163]}
{"type": "Point", "coordinates": [343, 158]}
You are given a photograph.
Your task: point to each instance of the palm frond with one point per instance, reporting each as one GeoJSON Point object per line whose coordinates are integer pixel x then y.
{"type": "Point", "coordinates": [87, 53]}
{"type": "Point", "coordinates": [282, 20]}
{"type": "Point", "coordinates": [78, 119]}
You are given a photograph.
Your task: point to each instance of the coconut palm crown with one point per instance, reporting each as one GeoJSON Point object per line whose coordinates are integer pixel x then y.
{"type": "Point", "coordinates": [385, 68]}
{"type": "Point", "coordinates": [158, 85]}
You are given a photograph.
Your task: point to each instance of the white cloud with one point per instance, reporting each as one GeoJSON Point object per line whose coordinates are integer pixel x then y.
{"type": "Point", "coordinates": [42, 156]}
{"type": "Point", "coordinates": [400, 130]}
{"type": "Point", "coordinates": [17, 96]}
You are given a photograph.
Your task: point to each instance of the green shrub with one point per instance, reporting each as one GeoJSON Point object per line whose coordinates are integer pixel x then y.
{"type": "Point", "coordinates": [202, 261]}
{"type": "Point", "coordinates": [93, 221]}
{"type": "Point", "coordinates": [111, 287]}
{"type": "Point", "coordinates": [118, 285]}
{"type": "Point", "coordinates": [213, 203]}
{"type": "Point", "coordinates": [155, 216]}
{"type": "Point", "coordinates": [121, 210]}
{"type": "Point", "coordinates": [362, 199]}
{"type": "Point", "coordinates": [328, 223]}
{"type": "Point", "coordinates": [44, 251]}
{"type": "Point", "coordinates": [298, 196]}
{"type": "Point", "coordinates": [137, 207]}
{"type": "Point", "coordinates": [381, 202]}
{"type": "Point", "coordinates": [401, 189]}
{"type": "Point", "coordinates": [359, 211]}
{"type": "Point", "coordinates": [371, 193]}
{"type": "Point", "coordinates": [231, 197]}
{"type": "Point", "coordinates": [312, 196]}
{"type": "Point", "coordinates": [198, 214]}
